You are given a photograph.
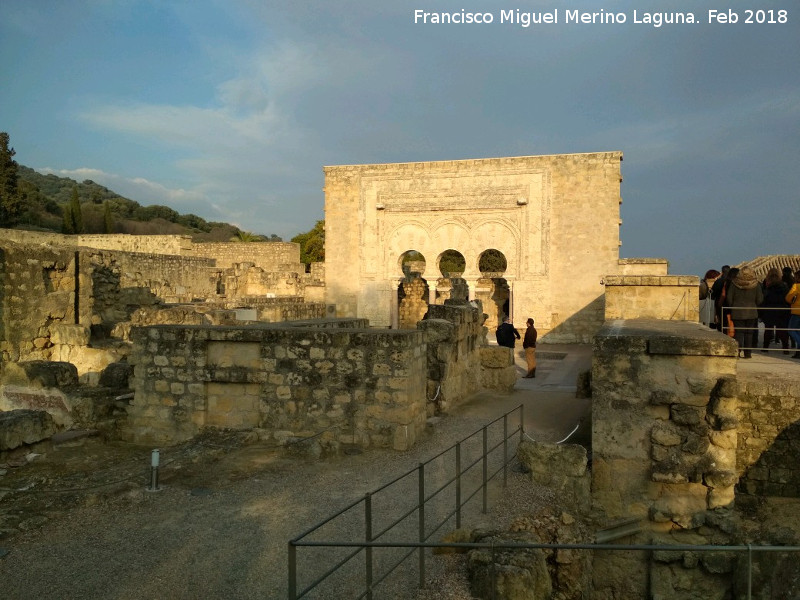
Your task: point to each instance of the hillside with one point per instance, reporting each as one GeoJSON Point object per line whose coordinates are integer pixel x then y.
{"type": "Point", "coordinates": [44, 199]}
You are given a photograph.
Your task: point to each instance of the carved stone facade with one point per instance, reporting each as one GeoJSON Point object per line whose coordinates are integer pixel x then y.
{"type": "Point", "coordinates": [555, 219]}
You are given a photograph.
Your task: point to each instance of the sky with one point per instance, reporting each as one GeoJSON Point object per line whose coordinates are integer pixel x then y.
{"type": "Point", "coordinates": [229, 109]}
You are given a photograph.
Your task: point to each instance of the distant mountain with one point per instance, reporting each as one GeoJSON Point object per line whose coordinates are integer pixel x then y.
{"type": "Point", "coordinates": [45, 198]}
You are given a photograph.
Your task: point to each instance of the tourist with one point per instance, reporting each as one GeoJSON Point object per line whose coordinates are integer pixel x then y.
{"type": "Point", "coordinates": [721, 310]}
{"type": "Point", "coordinates": [529, 344]}
{"type": "Point", "coordinates": [506, 334]}
{"type": "Point", "coordinates": [743, 295]}
{"type": "Point", "coordinates": [793, 299]}
{"type": "Point", "coordinates": [774, 311]}
{"type": "Point", "coordinates": [787, 277]}
{"type": "Point", "coordinates": [706, 301]}
{"type": "Point", "coordinates": [716, 295]}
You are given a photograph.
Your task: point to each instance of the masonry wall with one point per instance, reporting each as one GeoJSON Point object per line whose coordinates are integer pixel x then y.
{"type": "Point", "coordinates": [156, 244]}
{"type": "Point", "coordinates": [170, 278]}
{"type": "Point", "coordinates": [768, 438]}
{"type": "Point", "coordinates": [61, 312]}
{"type": "Point", "coordinates": [273, 256]}
{"type": "Point", "coordinates": [454, 335]}
{"type": "Point", "coordinates": [276, 310]}
{"type": "Point", "coordinates": [361, 386]}
{"type": "Point", "coordinates": [535, 210]}
{"type": "Point", "coordinates": [643, 266]}
{"type": "Point", "coordinates": [664, 451]}
{"type": "Point", "coordinates": [668, 297]}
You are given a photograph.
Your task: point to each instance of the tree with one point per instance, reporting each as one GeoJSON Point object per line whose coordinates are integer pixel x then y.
{"type": "Point", "coordinates": [312, 244]}
{"type": "Point", "coordinates": [67, 223]}
{"type": "Point", "coordinates": [75, 210]}
{"type": "Point", "coordinates": [246, 236]}
{"type": "Point", "coordinates": [9, 194]}
{"type": "Point", "coordinates": [108, 220]}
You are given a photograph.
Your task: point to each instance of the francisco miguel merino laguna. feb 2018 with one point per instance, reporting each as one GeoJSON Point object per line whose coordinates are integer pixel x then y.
{"type": "Point", "coordinates": [553, 17]}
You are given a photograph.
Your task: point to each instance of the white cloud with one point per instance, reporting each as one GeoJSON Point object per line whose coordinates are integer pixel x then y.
{"type": "Point", "coordinates": [141, 190]}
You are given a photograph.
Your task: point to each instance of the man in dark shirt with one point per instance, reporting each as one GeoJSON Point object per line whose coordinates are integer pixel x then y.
{"type": "Point", "coordinates": [529, 343]}
{"type": "Point", "coordinates": [506, 334]}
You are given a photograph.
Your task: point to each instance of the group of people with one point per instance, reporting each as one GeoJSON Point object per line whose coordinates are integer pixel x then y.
{"type": "Point", "coordinates": [507, 335]}
{"type": "Point", "coordinates": [734, 301]}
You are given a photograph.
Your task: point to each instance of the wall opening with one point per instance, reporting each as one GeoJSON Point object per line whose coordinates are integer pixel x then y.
{"type": "Point", "coordinates": [492, 288]}
{"type": "Point", "coordinates": [451, 284]}
{"type": "Point", "coordinates": [412, 293]}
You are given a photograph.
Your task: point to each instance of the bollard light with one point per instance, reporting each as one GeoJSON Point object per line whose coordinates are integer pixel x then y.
{"type": "Point", "coordinates": [155, 459]}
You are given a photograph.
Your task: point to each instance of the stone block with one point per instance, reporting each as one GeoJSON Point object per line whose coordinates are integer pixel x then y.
{"type": "Point", "coordinates": [496, 357]}
{"type": "Point", "coordinates": [20, 427]}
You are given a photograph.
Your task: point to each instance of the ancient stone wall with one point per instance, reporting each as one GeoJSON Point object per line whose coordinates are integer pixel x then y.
{"type": "Point", "coordinates": [271, 256]}
{"type": "Point", "coordinates": [46, 301]}
{"type": "Point", "coordinates": [353, 385]}
{"type": "Point", "coordinates": [454, 335]}
{"type": "Point", "coordinates": [169, 278]}
{"type": "Point", "coordinates": [532, 209]}
{"type": "Point", "coordinates": [768, 413]}
{"type": "Point", "coordinates": [277, 310]}
{"type": "Point", "coordinates": [664, 429]}
{"type": "Point", "coordinates": [643, 266]}
{"type": "Point", "coordinates": [154, 244]}
{"type": "Point", "coordinates": [669, 297]}
{"type": "Point", "coordinates": [414, 302]}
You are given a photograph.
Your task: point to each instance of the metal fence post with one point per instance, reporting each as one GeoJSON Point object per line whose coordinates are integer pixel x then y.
{"type": "Point", "coordinates": [505, 450]}
{"type": "Point", "coordinates": [493, 578]}
{"type": "Point", "coordinates": [292, 571]}
{"type": "Point", "coordinates": [485, 469]}
{"type": "Point", "coordinates": [368, 537]}
{"type": "Point", "coordinates": [421, 525]}
{"type": "Point", "coordinates": [521, 422]}
{"type": "Point", "coordinates": [458, 485]}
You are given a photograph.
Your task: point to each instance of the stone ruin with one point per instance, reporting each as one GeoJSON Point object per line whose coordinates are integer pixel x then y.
{"type": "Point", "coordinates": [153, 338]}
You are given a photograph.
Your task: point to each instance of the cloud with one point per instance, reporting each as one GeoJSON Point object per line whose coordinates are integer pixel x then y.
{"type": "Point", "coordinates": [140, 189]}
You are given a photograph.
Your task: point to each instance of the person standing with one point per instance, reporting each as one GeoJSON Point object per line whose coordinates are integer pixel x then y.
{"type": "Point", "coordinates": [506, 334]}
{"type": "Point", "coordinates": [706, 300]}
{"type": "Point", "coordinates": [716, 295]}
{"type": "Point", "coordinates": [743, 296]}
{"type": "Point", "coordinates": [793, 299]}
{"type": "Point", "coordinates": [774, 311]}
{"type": "Point", "coordinates": [529, 344]}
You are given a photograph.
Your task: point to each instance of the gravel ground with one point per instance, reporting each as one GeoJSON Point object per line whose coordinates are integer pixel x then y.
{"type": "Point", "coordinates": [220, 528]}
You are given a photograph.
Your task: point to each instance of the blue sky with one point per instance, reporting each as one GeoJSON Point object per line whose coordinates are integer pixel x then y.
{"type": "Point", "coordinates": [229, 109]}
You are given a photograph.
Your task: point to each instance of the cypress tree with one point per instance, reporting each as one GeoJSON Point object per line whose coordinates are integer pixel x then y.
{"type": "Point", "coordinates": [108, 220]}
{"type": "Point", "coordinates": [9, 194]}
{"type": "Point", "coordinates": [75, 209]}
{"type": "Point", "coordinates": [67, 224]}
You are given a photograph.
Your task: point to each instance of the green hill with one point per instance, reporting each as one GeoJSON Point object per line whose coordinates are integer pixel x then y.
{"type": "Point", "coordinates": [45, 198]}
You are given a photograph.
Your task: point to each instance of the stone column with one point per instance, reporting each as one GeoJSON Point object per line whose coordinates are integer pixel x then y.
{"type": "Point", "coordinates": [394, 319]}
{"type": "Point", "coordinates": [472, 284]}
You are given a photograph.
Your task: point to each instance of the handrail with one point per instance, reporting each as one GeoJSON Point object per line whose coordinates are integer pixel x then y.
{"type": "Point", "coordinates": [423, 526]}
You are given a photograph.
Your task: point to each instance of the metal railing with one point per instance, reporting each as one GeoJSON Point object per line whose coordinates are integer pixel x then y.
{"type": "Point", "coordinates": [442, 488]}
{"type": "Point", "coordinates": [755, 335]}
{"type": "Point", "coordinates": [355, 568]}
{"type": "Point", "coordinates": [494, 547]}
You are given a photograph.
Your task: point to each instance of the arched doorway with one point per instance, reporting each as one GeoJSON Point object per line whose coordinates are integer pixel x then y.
{"type": "Point", "coordinates": [493, 290]}
{"type": "Point", "coordinates": [451, 284]}
{"type": "Point", "coordinates": [412, 293]}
